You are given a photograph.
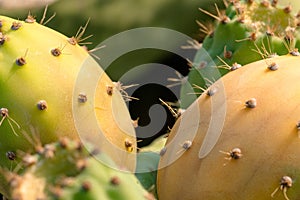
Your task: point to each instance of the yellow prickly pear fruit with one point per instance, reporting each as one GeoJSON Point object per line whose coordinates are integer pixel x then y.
{"type": "Point", "coordinates": [51, 87]}
{"type": "Point", "coordinates": [240, 143]}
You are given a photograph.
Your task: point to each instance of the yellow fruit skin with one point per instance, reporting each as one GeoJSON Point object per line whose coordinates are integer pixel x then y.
{"type": "Point", "coordinates": [54, 79]}
{"type": "Point", "coordinates": [266, 134]}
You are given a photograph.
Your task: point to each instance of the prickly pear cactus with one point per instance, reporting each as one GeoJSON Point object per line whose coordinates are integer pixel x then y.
{"type": "Point", "coordinates": [254, 154]}
{"type": "Point", "coordinates": [147, 163]}
{"type": "Point", "coordinates": [245, 32]}
{"type": "Point", "coordinates": [42, 94]}
{"type": "Point", "coordinates": [65, 170]}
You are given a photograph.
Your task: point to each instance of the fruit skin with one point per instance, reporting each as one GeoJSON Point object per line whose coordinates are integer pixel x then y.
{"type": "Point", "coordinates": [53, 78]}
{"type": "Point", "coordinates": [248, 28]}
{"type": "Point", "coordinates": [268, 136]}
{"type": "Point", "coordinates": [66, 170]}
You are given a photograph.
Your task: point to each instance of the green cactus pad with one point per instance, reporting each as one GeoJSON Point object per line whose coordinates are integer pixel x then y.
{"type": "Point", "coordinates": [245, 32]}
{"type": "Point", "coordinates": [66, 170]}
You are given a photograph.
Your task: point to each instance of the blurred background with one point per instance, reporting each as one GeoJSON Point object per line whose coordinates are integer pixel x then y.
{"type": "Point", "coordinates": [110, 17]}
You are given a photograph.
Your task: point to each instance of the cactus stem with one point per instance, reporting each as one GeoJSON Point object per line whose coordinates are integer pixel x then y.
{"type": "Point", "coordinates": [285, 183]}
{"type": "Point", "coordinates": [4, 114]}
{"type": "Point", "coordinates": [42, 105]}
{"type": "Point", "coordinates": [251, 103]}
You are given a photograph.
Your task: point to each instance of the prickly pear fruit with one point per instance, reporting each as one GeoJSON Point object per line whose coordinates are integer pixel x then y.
{"type": "Point", "coordinates": [245, 32]}
{"type": "Point", "coordinates": [44, 77]}
{"type": "Point", "coordinates": [243, 142]}
{"type": "Point", "coordinates": [66, 170]}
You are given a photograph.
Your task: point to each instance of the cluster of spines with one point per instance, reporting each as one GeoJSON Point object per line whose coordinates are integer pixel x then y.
{"type": "Point", "coordinates": [254, 33]}
{"type": "Point", "coordinates": [66, 168]}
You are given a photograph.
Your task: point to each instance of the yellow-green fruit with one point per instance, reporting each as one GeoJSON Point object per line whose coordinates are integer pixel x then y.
{"type": "Point", "coordinates": [242, 142]}
{"type": "Point", "coordinates": [46, 91]}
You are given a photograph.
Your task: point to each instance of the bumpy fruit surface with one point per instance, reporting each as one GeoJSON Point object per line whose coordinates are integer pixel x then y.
{"type": "Point", "coordinates": [244, 143]}
{"type": "Point", "coordinates": [245, 32]}
{"type": "Point", "coordinates": [65, 170]}
{"type": "Point", "coordinates": [40, 88]}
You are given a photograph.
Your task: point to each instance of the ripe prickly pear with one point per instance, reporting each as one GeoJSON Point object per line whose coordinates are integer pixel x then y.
{"type": "Point", "coordinates": [44, 77]}
{"type": "Point", "coordinates": [245, 32]}
{"type": "Point", "coordinates": [65, 170]}
{"type": "Point", "coordinates": [253, 122]}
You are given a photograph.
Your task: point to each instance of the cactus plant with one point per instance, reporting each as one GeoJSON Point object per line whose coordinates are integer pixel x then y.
{"type": "Point", "coordinates": [245, 27]}
{"type": "Point", "coordinates": [146, 170]}
{"type": "Point", "coordinates": [65, 170]}
{"type": "Point", "coordinates": [255, 154]}
{"type": "Point", "coordinates": [147, 163]}
{"type": "Point", "coordinates": [44, 77]}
